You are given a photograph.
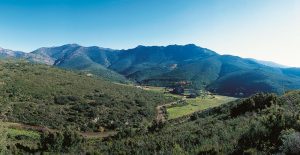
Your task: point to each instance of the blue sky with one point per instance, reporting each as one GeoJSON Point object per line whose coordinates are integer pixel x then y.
{"type": "Point", "coordinates": [262, 29]}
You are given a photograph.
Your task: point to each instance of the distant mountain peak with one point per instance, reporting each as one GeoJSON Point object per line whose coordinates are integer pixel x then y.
{"type": "Point", "coordinates": [7, 53]}
{"type": "Point", "coordinates": [140, 46]}
{"type": "Point", "coordinates": [64, 45]}
{"type": "Point", "coordinates": [192, 45]}
{"type": "Point", "coordinates": [4, 49]}
{"type": "Point", "coordinates": [72, 45]}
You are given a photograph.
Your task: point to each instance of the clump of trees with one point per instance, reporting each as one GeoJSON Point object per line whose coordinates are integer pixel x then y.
{"type": "Point", "coordinates": [257, 102]}
{"type": "Point", "coordinates": [179, 90]}
{"type": "Point", "coordinates": [61, 141]}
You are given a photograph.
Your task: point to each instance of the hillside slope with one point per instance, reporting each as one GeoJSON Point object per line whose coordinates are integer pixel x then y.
{"type": "Point", "coordinates": [56, 98]}
{"type": "Point", "coordinates": [72, 56]}
{"type": "Point", "coordinates": [261, 124]}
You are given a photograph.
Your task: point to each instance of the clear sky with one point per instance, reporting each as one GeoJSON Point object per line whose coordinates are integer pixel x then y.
{"type": "Point", "coordinates": [262, 29]}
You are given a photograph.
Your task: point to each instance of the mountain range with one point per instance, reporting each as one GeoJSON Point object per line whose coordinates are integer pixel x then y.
{"type": "Point", "coordinates": [168, 65]}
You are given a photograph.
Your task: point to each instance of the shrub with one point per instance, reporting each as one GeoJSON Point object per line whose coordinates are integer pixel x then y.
{"type": "Point", "coordinates": [65, 99]}
{"type": "Point", "coordinates": [290, 142]}
{"type": "Point", "coordinates": [254, 103]}
{"type": "Point", "coordinates": [66, 141]}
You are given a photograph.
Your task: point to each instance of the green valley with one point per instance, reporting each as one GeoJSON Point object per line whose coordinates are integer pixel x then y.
{"type": "Point", "coordinates": [149, 77]}
{"type": "Point", "coordinates": [49, 110]}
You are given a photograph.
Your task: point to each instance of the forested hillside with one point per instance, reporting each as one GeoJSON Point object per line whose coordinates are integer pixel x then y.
{"type": "Point", "coordinates": [55, 98]}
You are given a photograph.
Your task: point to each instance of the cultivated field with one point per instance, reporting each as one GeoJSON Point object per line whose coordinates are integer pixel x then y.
{"type": "Point", "coordinates": [191, 105]}
{"type": "Point", "coordinates": [197, 104]}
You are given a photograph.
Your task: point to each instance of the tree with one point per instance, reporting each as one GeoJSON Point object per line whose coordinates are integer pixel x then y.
{"type": "Point", "coordinates": [52, 141]}
{"type": "Point", "coordinates": [178, 90]}
{"type": "Point", "coordinates": [66, 141]}
{"type": "Point", "coordinates": [72, 140]}
{"type": "Point", "coordinates": [156, 126]}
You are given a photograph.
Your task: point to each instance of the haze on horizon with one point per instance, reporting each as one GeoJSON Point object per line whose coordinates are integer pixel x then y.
{"type": "Point", "coordinates": [261, 29]}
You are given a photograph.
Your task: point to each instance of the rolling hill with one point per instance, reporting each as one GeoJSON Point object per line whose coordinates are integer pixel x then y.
{"type": "Point", "coordinates": [75, 57]}
{"type": "Point", "coordinates": [169, 65]}
{"type": "Point", "coordinates": [47, 96]}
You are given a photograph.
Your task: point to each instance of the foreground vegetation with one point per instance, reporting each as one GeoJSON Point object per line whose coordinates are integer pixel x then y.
{"type": "Point", "coordinates": [261, 124]}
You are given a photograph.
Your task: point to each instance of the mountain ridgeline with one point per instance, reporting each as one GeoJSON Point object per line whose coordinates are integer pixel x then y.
{"type": "Point", "coordinates": [169, 65]}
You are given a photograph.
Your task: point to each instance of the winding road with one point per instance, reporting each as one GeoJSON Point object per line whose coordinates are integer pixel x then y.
{"type": "Point", "coordinates": [160, 115]}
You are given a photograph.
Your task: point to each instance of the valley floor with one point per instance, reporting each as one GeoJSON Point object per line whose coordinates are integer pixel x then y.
{"type": "Point", "coordinates": [196, 105]}
{"type": "Point", "coordinates": [187, 106]}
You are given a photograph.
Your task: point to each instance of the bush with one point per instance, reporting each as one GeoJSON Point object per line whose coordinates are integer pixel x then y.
{"type": "Point", "coordinates": [65, 99]}
{"type": "Point", "coordinates": [66, 141]}
{"type": "Point", "coordinates": [290, 142]}
{"type": "Point", "coordinates": [254, 103]}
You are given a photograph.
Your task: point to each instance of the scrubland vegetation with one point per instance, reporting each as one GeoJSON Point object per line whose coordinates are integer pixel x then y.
{"type": "Point", "coordinates": [55, 111]}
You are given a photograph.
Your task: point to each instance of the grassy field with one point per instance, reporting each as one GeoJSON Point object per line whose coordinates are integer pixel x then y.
{"type": "Point", "coordinates": [13, 133]}
{"type": "Point", "coordinates": [197, 104]}
{"type": "Point", "coordinates": [193, 104]}
{"type": "Point", "coordinates": [13, 136]}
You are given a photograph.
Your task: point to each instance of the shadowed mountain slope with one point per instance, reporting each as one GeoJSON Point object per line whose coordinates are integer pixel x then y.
{"type": "Point", "coordinates": [170, 65]}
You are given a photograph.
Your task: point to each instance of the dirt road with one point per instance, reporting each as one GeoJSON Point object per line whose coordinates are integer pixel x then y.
{"type": "Point", "coordinates": [160, 114]}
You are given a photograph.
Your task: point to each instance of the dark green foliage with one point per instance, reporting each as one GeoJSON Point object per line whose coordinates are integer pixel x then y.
{"type": "Point", "coordinates": [46, 96]}
{"type": "Point", "coordinates": [66, 141]}
{"type": "Point", "coordinates": [178, 90]}
{"type": "Point", "coordinates": [56, 98]}
{"type": "Point", "coordinates": [52, 141]}
{"type": "Point", "coordinates": [255, 103]}
{"type": "Point", "coordinates": [290, 141]}
{"type": "Point", "coordinates": [66, 99]}
{"type": "Point", "coordinates": [156, 126]}
{"type": "Point", "coordinates": [268, 126]}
